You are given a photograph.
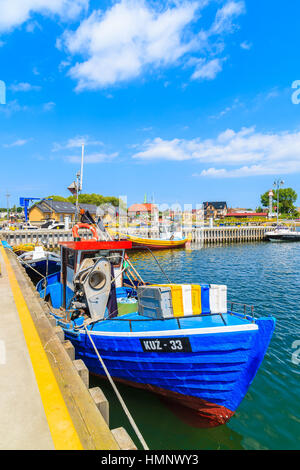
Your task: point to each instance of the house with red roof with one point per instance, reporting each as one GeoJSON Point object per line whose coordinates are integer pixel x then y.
{"type": "Point", "coordinates": [146, 210]}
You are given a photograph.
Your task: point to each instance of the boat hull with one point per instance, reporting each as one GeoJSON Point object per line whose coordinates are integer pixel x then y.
{"type": "Point", "coordinates": [211, 378]}
{"type": "Point", "coordinates": [156, 244]}
{"type": "Point", "coordinates": [195, 411]}
{"type": "Point", "coordinates": [41, 268]}
{"type": "Point", "coordinates": [284, 238]}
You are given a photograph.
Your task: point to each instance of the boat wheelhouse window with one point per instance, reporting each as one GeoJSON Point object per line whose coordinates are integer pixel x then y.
{"type": "Point", "coordinates": [115, 257]}
{"type": "Point", "coordinates": [70, 258]}
{"type": "Point", "coordinates": [90, 254]}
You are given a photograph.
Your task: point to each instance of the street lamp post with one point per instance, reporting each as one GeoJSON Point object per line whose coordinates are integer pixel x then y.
{"type": "Point", "coordinates": [277, 184]}
{"type": "Point", "coordinates": [7, 199]}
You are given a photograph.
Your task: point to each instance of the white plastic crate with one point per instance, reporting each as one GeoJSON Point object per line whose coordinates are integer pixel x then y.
{"type": "Point", "coordinates": [218, 298]}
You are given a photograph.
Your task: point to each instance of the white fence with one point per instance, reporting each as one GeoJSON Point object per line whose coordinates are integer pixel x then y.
{"type": "Point", "coordinates": [48, 238]}
{"type": "Point", "coordinates": [205, 235]}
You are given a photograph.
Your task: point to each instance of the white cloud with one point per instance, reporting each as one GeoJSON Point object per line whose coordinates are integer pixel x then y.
{"type": "Point", "coordinates": [97, 156]}
{"type": "Point", "coordinates": [246, 45]}
{"type": "Point", "coordinates": [76, 142]}
{"type": "Point", "coordinates": [17, 143]}
{"type": "Point", "coordinates": [225, 15]}
{"type": "Point", "coordinates": [92, 158]}
{"type": "Point", "coordinates": [207, 70]}
{"type": "Point", "coordinates": [145, 37]}
{"type": "Point", "coordinates": [249, 152]}
{"type": "Point", "coordinates": [164, 149]}
{"type": "Point", "coordinates": [23, 86]}
{"type": "Point", "coordinates": [13, 13]}
{"type": "Point", "coordinates": [133, 37]}
{"type": "Point", "coordinates": [275, 168]}
{"type": "Point", "coordinates": [49, 106]}
{"type": "Point", "coordinates": [33, 26]}
{"type": "Point", "coordinates": [236, 104]}
{"type": "Point", "coordinates": [12, 107]}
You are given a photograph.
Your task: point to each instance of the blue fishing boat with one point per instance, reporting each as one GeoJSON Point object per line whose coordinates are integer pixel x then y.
{"type": "Point", "coordinates": [39, 263]}
{"type": "Point", "coordinates": [181, 341]}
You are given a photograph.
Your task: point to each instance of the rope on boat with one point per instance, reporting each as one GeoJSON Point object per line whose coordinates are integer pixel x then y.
{"type": "Point", "coordinates": [28, 265]}
{"type": "Point", "coordinates": [160, 267]}
{"type": "Point", "coordinates": [127, 412]}
{"type": "Point", "coordinates": [135, 271]}
{"type": "Point", "coordinates": [46, 280]}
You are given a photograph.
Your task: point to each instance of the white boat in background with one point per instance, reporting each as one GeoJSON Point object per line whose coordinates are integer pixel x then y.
{"type": "Point", "coordinates": [282, 233]}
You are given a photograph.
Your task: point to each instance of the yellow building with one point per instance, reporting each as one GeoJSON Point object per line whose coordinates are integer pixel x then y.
{"type": "Point", "coordinates": [54, 210]}
{"type": "Point", "coordinates": [57, 210]}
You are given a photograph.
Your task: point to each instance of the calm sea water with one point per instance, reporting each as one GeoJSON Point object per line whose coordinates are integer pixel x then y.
{"type": "Point", "coordinates": [266, 275]}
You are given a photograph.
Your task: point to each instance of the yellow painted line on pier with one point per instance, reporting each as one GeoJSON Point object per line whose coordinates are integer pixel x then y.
{"type": "Point", "coordinates": [61, 426]}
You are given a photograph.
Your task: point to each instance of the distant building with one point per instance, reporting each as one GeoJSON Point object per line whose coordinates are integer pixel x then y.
{"type": "Point", "coordinates": [54, 210]}
{"type": "Point", "coordinates": [198, 214]}
{"type": "Point", "coordinates": [92, 208]}
{"type": "Point", "coordinates": [214, 210]}
{"type": "Point", "coordinates": [246, 214]}
{"type": "Point", "coordinates": [146, 210]}
{"type": "Point", "coordinates": [108, 213]}
{"type": "Point", "coordinates": [57, 210]}
{"type": "Point", "coordinates": [238, 209]}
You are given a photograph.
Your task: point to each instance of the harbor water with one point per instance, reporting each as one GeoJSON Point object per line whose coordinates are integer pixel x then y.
{"type": "Point", "coordinates": [267, 276]}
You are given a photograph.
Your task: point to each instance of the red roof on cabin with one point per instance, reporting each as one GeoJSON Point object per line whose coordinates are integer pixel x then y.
{"type": "Point", "coordinates": [87, 245]}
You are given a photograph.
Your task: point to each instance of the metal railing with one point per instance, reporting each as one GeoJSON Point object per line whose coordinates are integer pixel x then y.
{"type": "Point", "coordinates": [247, 310]}
{"type": "Point", "coordinates": [131, 321]}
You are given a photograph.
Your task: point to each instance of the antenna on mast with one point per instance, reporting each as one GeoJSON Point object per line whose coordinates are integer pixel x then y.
{"type": "Point", "coordinates": [81, 171]}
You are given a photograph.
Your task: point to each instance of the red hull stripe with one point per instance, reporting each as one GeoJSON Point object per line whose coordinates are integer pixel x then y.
{"type": "Point", "coordinates": [205, 414]}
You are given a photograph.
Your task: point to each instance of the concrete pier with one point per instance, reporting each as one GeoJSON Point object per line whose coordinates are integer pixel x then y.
{"type": "Point", "coordinates": [23, 423]}
{"type": "Point", "coordinates": [48, 238]}
{"type": "Point", "coordinates": [45, 400]}
{"type": "Point", "coordinates": [223, 235]}
{"type": "Point", "coordinates": [209, 235]}
{"type": "Point", "coordinates": [205, 235]}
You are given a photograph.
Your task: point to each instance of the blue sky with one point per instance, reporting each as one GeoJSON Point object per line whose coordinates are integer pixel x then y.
{"type": "Point", "coordinates": [185, 100]}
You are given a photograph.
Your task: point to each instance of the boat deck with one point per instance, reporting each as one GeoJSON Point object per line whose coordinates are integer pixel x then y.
{"type": "Point", "coordinates": [133, 322]}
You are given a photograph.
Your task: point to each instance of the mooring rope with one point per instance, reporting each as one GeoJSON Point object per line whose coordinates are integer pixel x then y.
{"type": "Point", "coordinates": [127, 412]}
{"type": "Point", "coordinates": [28, 265]}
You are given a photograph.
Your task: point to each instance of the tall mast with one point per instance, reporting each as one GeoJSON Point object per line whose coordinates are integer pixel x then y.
{"type": "Point", "coordinates": [7, 199]}
{"type": "Point", "coordinates": [81, 171]}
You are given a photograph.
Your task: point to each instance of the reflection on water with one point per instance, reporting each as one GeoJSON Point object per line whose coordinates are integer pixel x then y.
{"type": "Point", "coordinates": [267, 276]}
{"type": "Point", "coordinates": [159, 425]}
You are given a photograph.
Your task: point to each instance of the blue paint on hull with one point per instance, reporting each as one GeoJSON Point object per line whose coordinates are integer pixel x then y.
{"type": "Point", "coordinates": [54, 290]}
{"type": "Point", "coordinates": [219, 370]}
{"type": "Point", "coordinates": [41, 267]}
{"type": "Point", "coordinates": [212, 379]}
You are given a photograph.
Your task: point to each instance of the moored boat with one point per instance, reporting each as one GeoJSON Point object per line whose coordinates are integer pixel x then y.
{"type": "Point", "coordinates": [157, 243]}
{"type": "Point", "coordinates": [283, 234]}
{"type": "Point", "coordinates": [22, 248]}
{"type": "Point", "coordinates": [40, 263]}
{"type": "Point", "coordinates": [181, 341]}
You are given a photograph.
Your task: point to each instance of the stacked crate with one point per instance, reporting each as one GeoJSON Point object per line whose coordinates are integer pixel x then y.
{"type": "Point", "coordinates": [180, 300]}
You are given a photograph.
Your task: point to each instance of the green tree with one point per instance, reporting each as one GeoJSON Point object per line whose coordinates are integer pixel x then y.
{"type": "Point", "coordinates": [96, 199]}
{"type": "Point", "coordinates": [57, 198]}
{"type": "Point", "coordinates": [287, 198]}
